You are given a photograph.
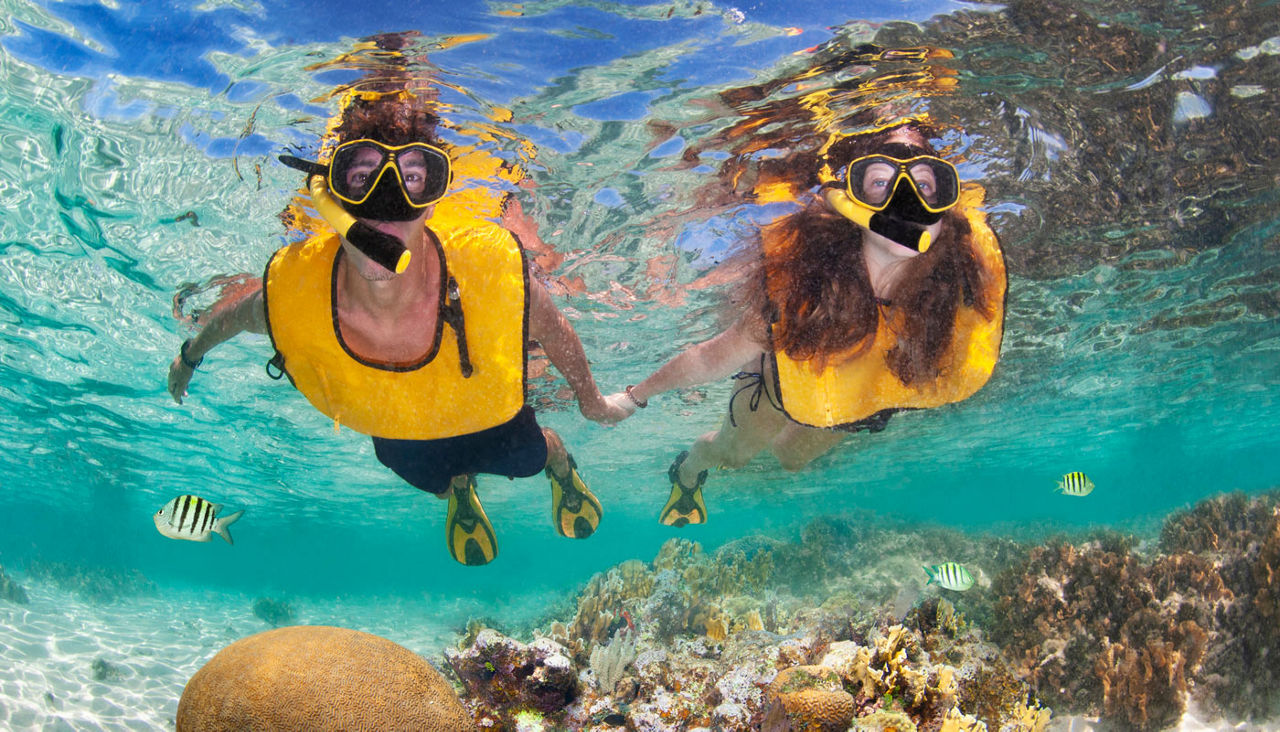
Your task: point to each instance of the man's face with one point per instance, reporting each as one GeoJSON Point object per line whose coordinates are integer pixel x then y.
{"type": "Point", "coordinates": [364, 170]}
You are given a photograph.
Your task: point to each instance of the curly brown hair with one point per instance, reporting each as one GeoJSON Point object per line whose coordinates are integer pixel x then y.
{"type": "Point", "coordinates": [391, 117]}
{"type": "Point", "coordinates": [819, 294]}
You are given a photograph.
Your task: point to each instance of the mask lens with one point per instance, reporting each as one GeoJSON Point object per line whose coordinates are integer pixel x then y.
{"type": "Point", "coordinates": [424, 171]}
{"type": "Point", "coordinates": [871, 180]}
{"type": "Point", "coordinates": [935, 182]}
{"type": "Point", "coordinates": [355, 169]}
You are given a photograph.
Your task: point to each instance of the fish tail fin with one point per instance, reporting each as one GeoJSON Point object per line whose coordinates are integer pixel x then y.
{"type": "Point", "coordinates": [932, 578]}
{"type": "Point", "coordinates": [220, 526]}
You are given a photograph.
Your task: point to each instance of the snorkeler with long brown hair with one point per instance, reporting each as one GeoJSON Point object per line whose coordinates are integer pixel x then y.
{"type": "Point", "coordinates": [884, 292]}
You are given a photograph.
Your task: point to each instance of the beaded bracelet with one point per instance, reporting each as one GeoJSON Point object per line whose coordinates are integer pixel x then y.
{"type": "Point", "coordinates": [632, 397]}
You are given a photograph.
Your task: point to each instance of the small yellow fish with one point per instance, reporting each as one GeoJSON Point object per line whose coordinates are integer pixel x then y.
{"type": "Point", "coordinates": [192, 518]}
{"type": "Point", "coordinates": [950, 576]}
{"type": "Point", "coordinates": [1075, 484]}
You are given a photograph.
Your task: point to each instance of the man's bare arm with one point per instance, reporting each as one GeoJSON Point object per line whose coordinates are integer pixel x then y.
{"type": "Point", "coordinates": [240, 311]}
{"type": "Point", "coordinates": [549, 327]}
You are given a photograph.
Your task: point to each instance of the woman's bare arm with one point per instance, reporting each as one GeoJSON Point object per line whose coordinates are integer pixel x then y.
{"type": "Point", "coordinates": [708, 361]}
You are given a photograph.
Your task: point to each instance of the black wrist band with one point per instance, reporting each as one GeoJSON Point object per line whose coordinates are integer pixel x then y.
{"type": "Point", "coordinates": [182, 354]}
{"type": "Point", "coordinates": [632, 397]}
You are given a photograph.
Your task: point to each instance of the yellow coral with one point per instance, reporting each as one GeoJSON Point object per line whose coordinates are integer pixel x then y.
{"type": "Point", "coordinates": [604, 598]}
{"type": "Point", "coordinates": [957, 721]}
{"type": "Point", "coordinates": [318, 678]}
{"type": "Point", "coordinates": [884, 720]}
{"type": "Point", "coordinates": [676, 554]}
{"type": "Point", "coordinates": [945, 686]}
{"type": "Point", "coordinates": [717, 629]}
{"type": "Point", "coordinates": [1028, 719]}
{"type": "Point", "coordinates": [753, 621]}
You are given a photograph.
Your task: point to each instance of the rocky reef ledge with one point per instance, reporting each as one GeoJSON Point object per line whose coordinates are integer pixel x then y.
{"type": "Point", "coordinates": [838, 632]}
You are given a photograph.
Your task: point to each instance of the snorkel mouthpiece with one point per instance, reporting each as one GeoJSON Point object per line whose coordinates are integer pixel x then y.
{"type": "Point", "coordinates": [911, 236]}
{"type": "Point", "coordinates": [383, 248]}
{"type": "Point", "coordinates": [379, 246]}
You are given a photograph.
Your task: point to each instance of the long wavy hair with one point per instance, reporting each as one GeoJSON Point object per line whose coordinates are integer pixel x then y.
{"type": "Point", "coordinates": [819, 294]}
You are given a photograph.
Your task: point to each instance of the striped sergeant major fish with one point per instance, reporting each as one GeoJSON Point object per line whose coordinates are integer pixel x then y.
{"type": "Point", "coordinates": [1075, 484]}
{"type": "Point", "coordinates": [194, 519]}
{"type": "Point", "coordinates": [949, 576]}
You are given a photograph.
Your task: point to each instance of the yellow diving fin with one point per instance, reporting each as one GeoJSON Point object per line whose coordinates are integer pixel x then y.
{"type": "Point", "coordinates": [685, 505]}
{"type": "Point", "coordinates": [467, 529]}
{"type": "Point", "coordinates": [575, 510]}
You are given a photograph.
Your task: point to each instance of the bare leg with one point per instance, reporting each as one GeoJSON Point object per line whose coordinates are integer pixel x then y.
{"type": "Point", "coordinates": [797, 445]}
{"type": "Point", "coordinates": [733, 445]}
{"type": "Point", "coordinates": [459, 481]}
{"type": "Point", "coordinates": [557, 454]}
{"type": "Point", "coordinates": [575, 510]}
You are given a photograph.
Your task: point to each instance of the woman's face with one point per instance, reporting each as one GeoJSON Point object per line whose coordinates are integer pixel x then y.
{"type": "Point", "coordinates": [877, 182]}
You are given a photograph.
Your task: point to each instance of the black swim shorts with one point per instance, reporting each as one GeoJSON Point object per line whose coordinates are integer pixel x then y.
{"type": "Point", "coordinates": [515, 449]}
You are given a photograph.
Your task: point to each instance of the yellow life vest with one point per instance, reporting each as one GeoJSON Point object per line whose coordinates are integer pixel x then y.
{"type": "Point", "coordinates": [458, 388]}
{"type": "Point", "coordinates": [854, 388]}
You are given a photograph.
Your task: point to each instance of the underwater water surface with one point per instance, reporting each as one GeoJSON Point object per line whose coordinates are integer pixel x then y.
{"type": "Point", "coordinates": [1129, 153]}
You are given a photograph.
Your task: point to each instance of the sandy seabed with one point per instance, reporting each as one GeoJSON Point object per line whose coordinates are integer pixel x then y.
{"type": "Point", "coordinates": [71, 665]}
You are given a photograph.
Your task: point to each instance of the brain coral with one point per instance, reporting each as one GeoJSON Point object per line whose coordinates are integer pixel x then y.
{"type": "Point", "coordinates": [808, 698]}
{"type": "Point", "coordinates": [318, 678]}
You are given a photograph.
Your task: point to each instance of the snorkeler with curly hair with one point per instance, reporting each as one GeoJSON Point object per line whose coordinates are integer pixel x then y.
{"type": "Point", "coordinates": [413, 328]}
{"type": "Point", "coordinates": [884, 292]}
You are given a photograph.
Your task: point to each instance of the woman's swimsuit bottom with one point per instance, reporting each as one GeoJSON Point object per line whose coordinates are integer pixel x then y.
{"type": "Point", "coordinates": [755, 382]}
{"type": "Point", "coordinates": [515, 449]}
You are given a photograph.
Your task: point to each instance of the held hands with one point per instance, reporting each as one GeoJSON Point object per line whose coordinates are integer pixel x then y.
{"type": "Point", "coordinates": [624, 403]}
{"type": "Point", "coordinates": [607, 410]}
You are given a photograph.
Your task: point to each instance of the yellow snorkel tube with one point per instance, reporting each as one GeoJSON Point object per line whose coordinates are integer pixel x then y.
{"type": "Point", "coordinates": [908, 235]}
{"type": "Point", "coordinates": [381, 247]}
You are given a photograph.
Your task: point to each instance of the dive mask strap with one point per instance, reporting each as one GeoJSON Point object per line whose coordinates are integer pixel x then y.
{"type": "Point", "coordinates": [381, 247]}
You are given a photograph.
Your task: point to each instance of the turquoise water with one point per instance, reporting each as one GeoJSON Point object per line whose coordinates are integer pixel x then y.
{"type": "Point", "coordinates": [1129, 158]}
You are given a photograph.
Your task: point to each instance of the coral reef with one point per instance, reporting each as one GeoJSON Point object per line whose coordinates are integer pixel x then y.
{"type": "Point", "coordinates": [1086, 627]}
{"type": "Point", "coordinates": [503, 676]}
{"type": "Point", "coordinates": [1240, 538]}
{"type": "Point", "coordinates": [318, 678]}
{"type": "Point", "coordinates": [723, 641]}
{"type": "Point", "coordinates": [274, 612]}
{"type": "Point", "coordinates": [838, 631]}
{"type": "Point", "coordinates": [1100, 630]}
{"type": "Point", "coordinates": [608, 662]}
{"type": "Point", "coordinates": [11, 591]}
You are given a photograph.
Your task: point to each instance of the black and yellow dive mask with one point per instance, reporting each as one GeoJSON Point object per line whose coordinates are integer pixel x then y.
{"type": "Point", "coordinates": [385, 182]}
{"type": "Point", "coordinates": [897, 192]}
{"type": "Point", "coordinates": [372, 180]}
